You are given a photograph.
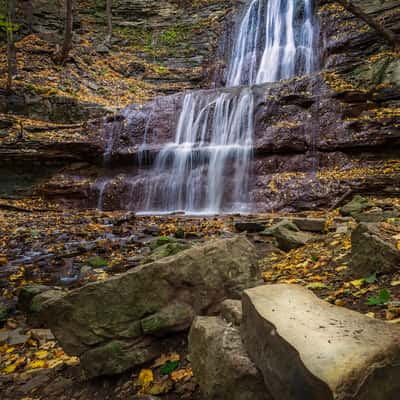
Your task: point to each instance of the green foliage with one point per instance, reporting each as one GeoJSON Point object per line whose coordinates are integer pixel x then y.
{"type": "Point", "coordinates": [7, 26]}
{"type": "Point", "coordinates": [97, 262]}
{"type": "Point", "coordinates": [169, 367]}
{"type": "Point", "coordinates": [161, 241]}
{"type": "Point", "coordinates": [383, 298]}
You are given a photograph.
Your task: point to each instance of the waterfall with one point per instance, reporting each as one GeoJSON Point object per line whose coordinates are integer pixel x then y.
{"type": "Point", "coordinates": [206, 169]}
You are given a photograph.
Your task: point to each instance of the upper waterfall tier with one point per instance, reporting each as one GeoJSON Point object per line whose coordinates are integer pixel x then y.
{"type": "Point", "coordinates": [274, 41]}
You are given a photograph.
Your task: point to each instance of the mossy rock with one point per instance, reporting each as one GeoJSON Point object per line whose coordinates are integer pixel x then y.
{"type": "Point", "coordinates": [357, 205]}
{"type": "Point", "coordinates": [166, 250]}
{"type": "Point", "coordinates": [161, 241]}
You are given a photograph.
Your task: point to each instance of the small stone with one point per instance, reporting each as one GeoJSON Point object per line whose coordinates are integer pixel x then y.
{"type": "Point", "coordinates": [152, 230]}
{"type": "Point", "coordinates": [40, 379]}
{"type": "Point", "coordinates": [342, 228]}
{"type": "Point", "coordinates": [102, 49]}
{"type": "Point", "coordinates": [16, 337]}
{"type": "Point", "coordinates": [288, 235]}
{"type": "Point", "coordinates": [93, 86]}
{"type": "Point", "coordinates": [42, 335]}
{"type": "Point", "coordinates": [310, 224]}
{"type": "Point", "coordinates": [231, 311]}
{"type": "Point", "coordinates": [249, 227]}
{"type": "Point", "coordinates": [356, 205]}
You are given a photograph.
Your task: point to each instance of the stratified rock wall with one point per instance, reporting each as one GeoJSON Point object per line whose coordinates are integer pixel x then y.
{"type": "Point", "coordinates": [316, 137]}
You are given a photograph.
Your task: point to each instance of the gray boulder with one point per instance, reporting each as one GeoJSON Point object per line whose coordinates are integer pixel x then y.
{"type": "Point", "coordinates": [220, 364]}
{"type": "Point", "coordinates": [373, 251]}
{"type": "Point", "coordinates": [308, 349]}
{"type": "Point", "coordinates": [288, 235]}
{"type": "Point", "coordinates": [121, 322]}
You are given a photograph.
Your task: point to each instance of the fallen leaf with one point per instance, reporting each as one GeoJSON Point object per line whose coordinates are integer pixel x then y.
{"type": "Point", "coordinates": [164, 358]}
{"type": "Point", "coordinates": [36, 364]}
{"type": "Point", "coordinates": [41, 354]}
{"type": "Point", "coordinates": [182, 374]}
{"type": "Point", "coordinates": [146, 377]}
{"type": "Point", "coordinates": [358, 283]}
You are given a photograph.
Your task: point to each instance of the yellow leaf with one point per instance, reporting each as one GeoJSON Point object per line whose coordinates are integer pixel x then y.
{"type": "Point", "coordinates": [9, 369]}
{"type": "Point", "coordinates": [357, 283]}
{"type": "Point", "coordinates": [41, 354]}
{"type": "Point", "coordinates": [55, 363]}
{"type": "Point", "coordinates": [395, 283]}
{"type": "Point", "coordinates": [36, 364]}
{"type": "Point", "coordinates": [146, 377]}
{"type": "Point", "coordinates": [398, 246]}
{"type": "Point", "coordinates": [160, 387]}
{"type": "Point", "coordinates": [3, 261]}
{"type": "Point", "coordinates": [341, 268]}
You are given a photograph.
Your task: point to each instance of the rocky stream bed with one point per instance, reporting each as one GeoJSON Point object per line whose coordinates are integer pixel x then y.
{"type": "Point", "coordinates": [120, 292]}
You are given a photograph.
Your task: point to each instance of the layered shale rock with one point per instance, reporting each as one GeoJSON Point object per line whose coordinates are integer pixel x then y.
{"type": "Point", "coordinates": [127, 320]}
{"type": "Point", "coordinates": [308, 349]}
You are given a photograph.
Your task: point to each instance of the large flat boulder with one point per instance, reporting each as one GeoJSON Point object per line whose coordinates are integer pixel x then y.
{"type": "Point", "coordinates": [220, 364]}
{"type": "Point", "coordinates": [373, 250]}
{"type": "Point", "coordinates": [124, 321]}
{"type": "Point", "coordinates": [308, 349]}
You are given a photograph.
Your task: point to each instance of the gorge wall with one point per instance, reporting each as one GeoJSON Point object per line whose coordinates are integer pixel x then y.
{"type": "Point", "coordinates": [316, 137]}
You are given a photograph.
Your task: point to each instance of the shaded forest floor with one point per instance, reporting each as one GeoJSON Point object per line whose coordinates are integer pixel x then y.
{"type": "Point", "coordinates": [43, 245]}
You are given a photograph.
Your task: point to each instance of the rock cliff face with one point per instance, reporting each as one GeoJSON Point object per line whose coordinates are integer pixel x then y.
{"type": "Point", "coordinates": [316, 137]}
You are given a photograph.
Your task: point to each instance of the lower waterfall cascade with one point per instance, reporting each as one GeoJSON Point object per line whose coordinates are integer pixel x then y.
{"type": "Point", "coordinates": [206, 169]}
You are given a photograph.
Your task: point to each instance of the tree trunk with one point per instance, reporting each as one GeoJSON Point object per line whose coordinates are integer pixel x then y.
{"type": "Point", "coordinates": [29, 15]}
{"type": "Point", "coordinates": [11, 50]}
{"type": "Point", "coordinates": [67, 45]}
{"type": "Point", "coordinates": [386, 33]}
{"type": "Point", "coordinates": [109, 20]}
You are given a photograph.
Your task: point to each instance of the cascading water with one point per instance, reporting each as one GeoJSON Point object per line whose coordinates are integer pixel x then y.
{"type": "Point", "coordinates": [214, 137]}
